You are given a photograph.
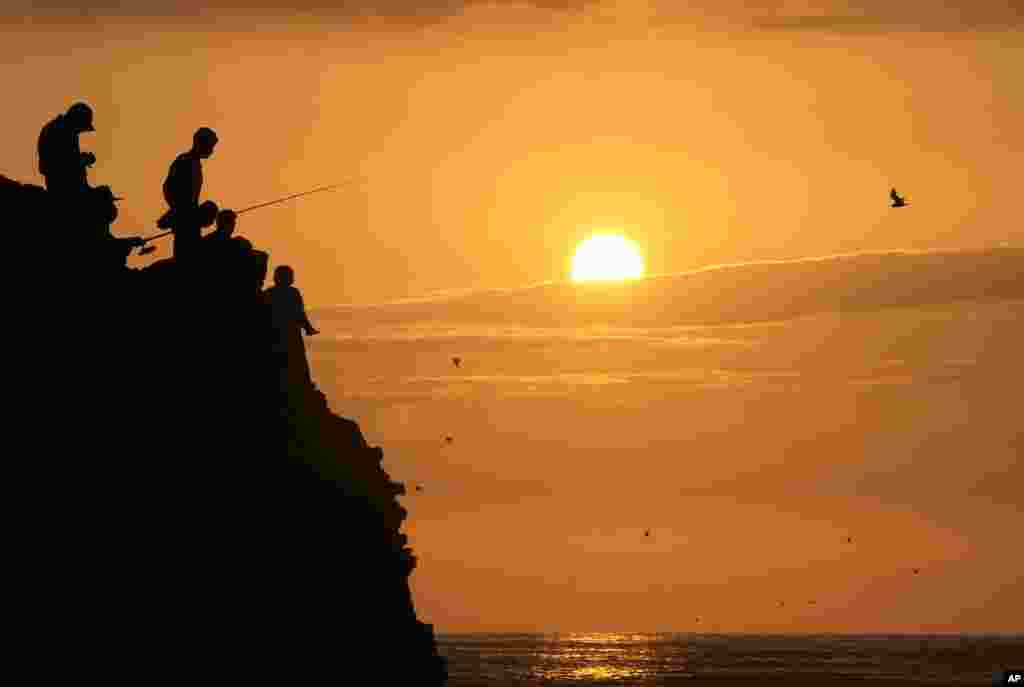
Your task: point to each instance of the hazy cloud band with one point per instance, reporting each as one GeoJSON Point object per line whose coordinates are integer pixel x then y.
{"type": "Point", "coordinates": [752, 292]}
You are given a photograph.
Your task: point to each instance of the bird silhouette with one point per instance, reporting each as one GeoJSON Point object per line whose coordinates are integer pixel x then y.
{"type": "Point", "coordinates": [448, 439]}
{"type": "Point", "coordinates": [917, 570]}
{"type": "Point", "coordinates": [897, 200]}
{"type": "Point", "coordinates": [457, 361]}
{"type": "Point", "coordinates": [419, 487]}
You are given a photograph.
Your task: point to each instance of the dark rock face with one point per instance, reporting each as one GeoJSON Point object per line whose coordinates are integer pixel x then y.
{"type": "Point", "coordinates": [199, 520]}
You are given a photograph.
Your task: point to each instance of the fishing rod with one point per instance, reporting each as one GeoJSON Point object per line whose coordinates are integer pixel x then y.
{"type": "Point", "coordinates": [296, 195]}
{"type": "Point", "coordinates": [150, 249]}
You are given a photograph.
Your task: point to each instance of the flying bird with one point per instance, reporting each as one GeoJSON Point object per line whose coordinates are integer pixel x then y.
{"type": "Point", "coordinates": [457, 361]}
{"type": "Point", "coordinates": [897, 200]}
{"type": "Point", "coordinates": [448, 439]}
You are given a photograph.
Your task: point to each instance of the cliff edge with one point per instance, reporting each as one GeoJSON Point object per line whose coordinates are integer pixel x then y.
{"type": "Point", "coordinates": [190, 512]}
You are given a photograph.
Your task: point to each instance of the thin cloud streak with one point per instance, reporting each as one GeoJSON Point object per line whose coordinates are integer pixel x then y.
{"type": "Point", "coordinates": [726, 294]}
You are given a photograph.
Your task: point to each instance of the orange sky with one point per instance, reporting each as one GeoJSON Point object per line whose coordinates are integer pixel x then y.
{"type": "Point", "coordinates": [492, 139]}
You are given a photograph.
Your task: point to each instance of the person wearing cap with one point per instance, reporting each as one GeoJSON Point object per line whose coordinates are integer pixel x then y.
{"type": "Point", "coordinates": [182, 188]}
{"type": "Point", "coordinates": [61, 161]}
{"type": "Point", "coordinates": [111, 251]}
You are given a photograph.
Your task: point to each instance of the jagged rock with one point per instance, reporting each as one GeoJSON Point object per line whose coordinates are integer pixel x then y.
{"type": "Point", "coordinates": [204, 522]}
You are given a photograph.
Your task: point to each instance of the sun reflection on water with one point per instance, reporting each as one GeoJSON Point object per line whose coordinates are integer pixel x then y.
{"type": "Point", "coordinates": [602, 658]}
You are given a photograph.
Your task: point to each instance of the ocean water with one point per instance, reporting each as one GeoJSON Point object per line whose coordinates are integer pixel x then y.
{"type": "Point", "coordinates": [496, 660]}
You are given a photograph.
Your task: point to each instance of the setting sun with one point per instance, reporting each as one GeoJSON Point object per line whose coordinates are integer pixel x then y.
{"type": "Point", "coordinates": [607, 257]}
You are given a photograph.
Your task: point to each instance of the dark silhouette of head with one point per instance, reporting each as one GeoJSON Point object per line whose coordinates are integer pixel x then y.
{"type": "Point", "coordinates": [204, 140]}
{"type": "Point", "coordinates": [226, 222]}
{"type": "Point", "coordinates": [79, 116]}
{"type": "Point", "coordinates": [284, 275]}
{"type": "Point", "coordinates": [208, 212]}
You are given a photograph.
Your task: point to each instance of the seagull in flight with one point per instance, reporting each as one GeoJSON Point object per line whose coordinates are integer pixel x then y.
{"type": "Point", "coordinates": [897, 200]}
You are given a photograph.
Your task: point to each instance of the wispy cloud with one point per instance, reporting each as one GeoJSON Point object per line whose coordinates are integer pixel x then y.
{"type": "Point", "coordinates": [457, 337]}
{"type": "Point", "coordinates": [724, 294]}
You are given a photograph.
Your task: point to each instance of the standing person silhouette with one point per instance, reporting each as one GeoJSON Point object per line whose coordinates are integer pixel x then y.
{"type": "Point", "coordinates": [288, 315]}
{"type": "Point", "coordinates": [181, 189]}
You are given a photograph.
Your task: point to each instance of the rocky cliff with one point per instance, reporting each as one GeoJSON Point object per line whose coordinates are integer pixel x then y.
{"type": "Point", "coordinates": [192, 515]}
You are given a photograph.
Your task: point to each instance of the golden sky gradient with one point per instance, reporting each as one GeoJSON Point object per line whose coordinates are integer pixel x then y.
{"type": "Point", "coordinates": [493, 138]}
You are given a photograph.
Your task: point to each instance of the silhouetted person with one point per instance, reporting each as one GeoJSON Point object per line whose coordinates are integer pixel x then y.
{"type": "Point", "coordinates": [182, 188]}
{"type": "Point", "coordinates": [217, 244]}
{"type": "Point", "coordinates": [232, 259]}
{"type": "Point", "coordinates": [288, 316]}
{"type": "Point", "coordinates": [224, 227]}
{"type": "Point", "coordinates": [101, 213]}
{"type": "Point", "coordinates": [61, 161]}
{"type": "Point", "coordinates": [897, 200]}
{"type": "Point", "coordinates": [204, 216]}
{"type": "Point", "coordinates": [247, 268]}
{"type": "Point", "coordinates": [207, 214]}
{"type": "Point", "coordinates": [228, 265]}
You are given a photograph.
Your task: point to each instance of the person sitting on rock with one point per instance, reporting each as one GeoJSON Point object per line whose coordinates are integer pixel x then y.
{"type": "Point", "coordinates": [101, 212]}
{"type": "Point", "coordinates": [231, 258]}
{"type": "Point", "coordinates": [216, 246]}
{"type": "Point", "coordinates": [289, 320]}
{"type": "Point", "coordinates": [224, 227]}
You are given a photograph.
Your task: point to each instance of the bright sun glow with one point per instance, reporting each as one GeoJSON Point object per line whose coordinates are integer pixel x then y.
{"type": "Point", "coordinates": [607, 257]}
